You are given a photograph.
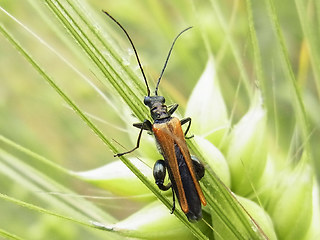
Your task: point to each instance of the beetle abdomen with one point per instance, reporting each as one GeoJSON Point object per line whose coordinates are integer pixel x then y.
{"type": "Point", "coordinates": [193, 200]}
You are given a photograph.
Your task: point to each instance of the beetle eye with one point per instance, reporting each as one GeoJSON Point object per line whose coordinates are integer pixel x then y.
{"type": "Point", "coordinates": [162, 99]}
{"type": "Point", "coordinates": [147, 100]}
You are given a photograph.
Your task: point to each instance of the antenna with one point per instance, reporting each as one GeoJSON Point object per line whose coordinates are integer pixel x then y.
{"type": "Point", "coordinates": [134, 49]}
{"type": "Point", "coordinates": [167, 59]}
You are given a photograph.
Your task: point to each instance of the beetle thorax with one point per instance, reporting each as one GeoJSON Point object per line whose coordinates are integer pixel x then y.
{"type": "Point", "coordinates": [159, 111]}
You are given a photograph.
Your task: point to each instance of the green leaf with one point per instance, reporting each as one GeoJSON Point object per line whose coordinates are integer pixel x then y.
{"type": "Point", "coordinates": [118, 179]}
{"type": "Point", "coordinates": [247, 150]}
{"type": "Point", "coordinates": [206, 106]}
{"type": "Point", "coordinates": [291, 203]}
{"type": "Point", "coordinates": [214, 158]}
{"type": "Point", "coordinates": [152, 222]}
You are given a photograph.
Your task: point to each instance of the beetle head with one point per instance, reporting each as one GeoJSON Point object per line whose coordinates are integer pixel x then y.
{"type": "Point", "coordinates": [158, 109]}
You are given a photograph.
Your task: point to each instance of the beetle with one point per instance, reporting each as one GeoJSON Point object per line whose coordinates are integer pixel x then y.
{"type": "Point", "coordinates": [184, 170]}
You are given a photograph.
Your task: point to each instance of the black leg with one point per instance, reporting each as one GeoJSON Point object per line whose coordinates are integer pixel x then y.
{"type": "Point", "coordinates": [173, 108]}
{"type": "Point", "coordinates": [142, 127]}
{"type": "Point", "coordinates": [184, 121]}
{"type": "Point", "coordinates": [159, 174]}
{"type": "Point", "coordinates": [198, 167]}
{"type": "Point", "coordinates": [146, 125]}
{"type": "Point", "coordinates": [173, 202]}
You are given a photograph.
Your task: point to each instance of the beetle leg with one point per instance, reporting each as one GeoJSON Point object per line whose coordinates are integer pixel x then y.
{"type": "Point", "coordinates": [184, 121]}
{"type": "Point", "coordinates": [159, 174]}
{"type": "Point", "coordinates": [143, 126]}
{"type": "Point", "coordinates": [173, 202]}
{"type": "Point", "coordinates": [198, 167]}
{"type": "Point", "coordinates": [173, 108]}
{"type": "Point", "coordinates": [146, 125]}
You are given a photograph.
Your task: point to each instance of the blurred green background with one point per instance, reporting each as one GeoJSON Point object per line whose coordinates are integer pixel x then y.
{"type": "Point", "coordinates": [33, 115]}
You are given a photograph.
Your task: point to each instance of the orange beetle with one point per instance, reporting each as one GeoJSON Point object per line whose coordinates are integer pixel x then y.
{"type": "Point", "coordinates": [184, 170]}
